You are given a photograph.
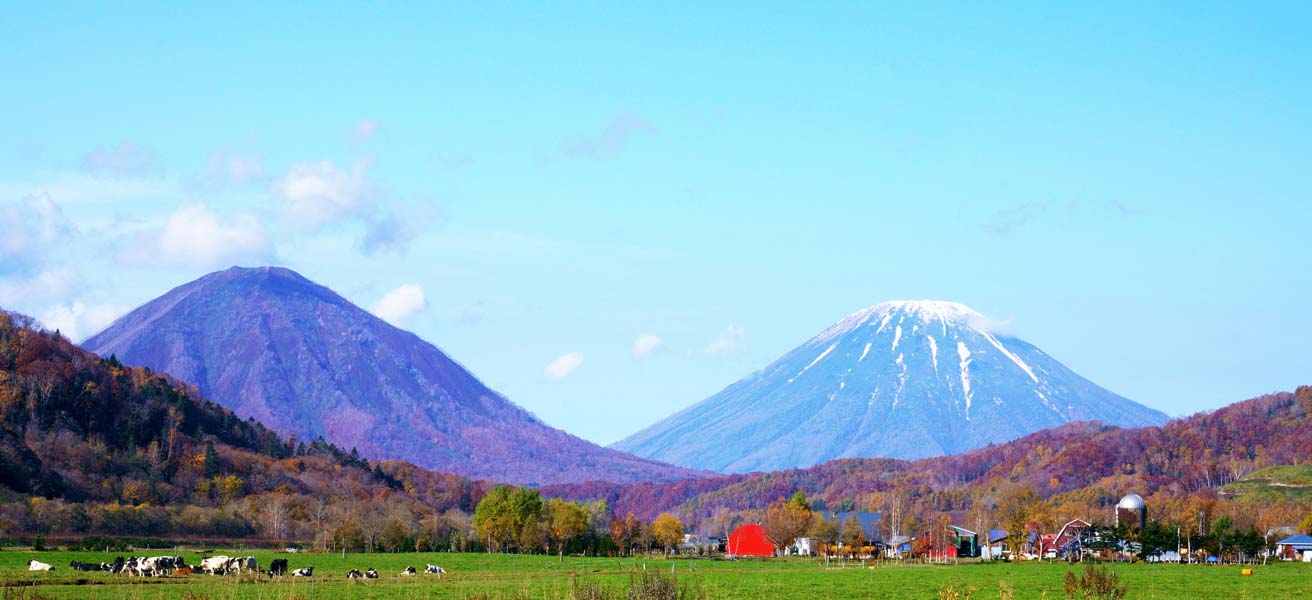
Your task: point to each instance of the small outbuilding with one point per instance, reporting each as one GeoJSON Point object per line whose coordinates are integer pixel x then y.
{"type": "Point", "coordinates": [749, 540]}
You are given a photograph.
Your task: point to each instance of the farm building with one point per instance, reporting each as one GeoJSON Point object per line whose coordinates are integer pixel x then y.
{"type": "Point", "coordinates": [869, 522]}
{"type": "Point", "coordinates": [1298, 547]}
{"type": "Point", "coordinates": [996, 547]}
{"type": "Point", "coordinates": [1069, 540]}
{"type": "Point", "coordinates": [1132, 512]}
{"type": "Point", "coordinates": [749, 540]}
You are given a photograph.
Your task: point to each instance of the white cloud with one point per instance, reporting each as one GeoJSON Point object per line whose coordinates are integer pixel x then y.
{"type": "Point", "coordinates": [645, 344]}
{"type": "Point", "coordinates": [196, 236]}
{"type": "Point", "coordinates": [364, 130]}
{"type": "Point", "coordinates": [563, 366]}
{"type": "Point", "coordinates": [78, 320]}
{"type": "Point", "coordinates": [316, 194]}
{"type": "Point", "coordinates": [397, 306]}
{"type": "Point", "coordinates": [734, 339]}
{"type": "Point", "coordinates": [48, 284]}
{"type": "Point", "coordinates": [28, 230]}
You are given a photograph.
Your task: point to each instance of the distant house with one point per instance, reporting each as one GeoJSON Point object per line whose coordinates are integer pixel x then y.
{"type": "Point", "coordinates": [1298, 547]}
{"type": "Point", "coordinates": [805, 546]}
{"type": "Point", "coordinates": [996, 547]}
{"type": "Point", "coordinates": [749, 540]}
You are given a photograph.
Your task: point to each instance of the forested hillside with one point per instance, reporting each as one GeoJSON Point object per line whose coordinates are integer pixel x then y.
{"type": "Point", "coordinates": [88, 445]}
{"type": "Point", "coordinates": [1082, 469]}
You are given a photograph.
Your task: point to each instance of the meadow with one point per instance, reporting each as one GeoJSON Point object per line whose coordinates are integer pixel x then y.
{"type": "Point", "coordinates": [535, 576]}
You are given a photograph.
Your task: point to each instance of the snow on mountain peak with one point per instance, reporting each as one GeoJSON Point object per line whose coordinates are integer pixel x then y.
{"type": "Point", "coordinates": [896, 312]}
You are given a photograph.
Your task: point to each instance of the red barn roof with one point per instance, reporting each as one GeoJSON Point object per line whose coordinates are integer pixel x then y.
{"type": "Point", "coordinates": [749, 540]}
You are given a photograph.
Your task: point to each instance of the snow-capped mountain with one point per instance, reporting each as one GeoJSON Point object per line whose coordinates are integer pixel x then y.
{"type": "Point", "coordinates": [292, 354]}
{"type": "Point", "coordinates": [898, 379]}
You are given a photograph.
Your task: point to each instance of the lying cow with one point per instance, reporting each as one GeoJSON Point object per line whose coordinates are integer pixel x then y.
{"type": "Point", "coordinates": [354, 574]}
{"type": "Point", "coordinates": [303, 572]}
{"type": "Point", "coordinates": [81, 566]}
{"type": "Point", "coordinates": [278, 567]}
{"type": "Point", "coordinates": [434, 569]}
{"type": "Point", "coordinates": [36, 565]}
{"type": "Point", "coordinates": [371, 574]}
{"type": "Point", "coordinates": [408, 572]}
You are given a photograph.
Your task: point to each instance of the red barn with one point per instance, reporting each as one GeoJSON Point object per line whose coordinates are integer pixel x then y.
{"type": "Point", "coordinates": [749, 540]}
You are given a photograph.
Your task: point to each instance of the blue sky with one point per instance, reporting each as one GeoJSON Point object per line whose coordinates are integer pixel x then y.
{"type": "Point", "coordinates": [611, 212]}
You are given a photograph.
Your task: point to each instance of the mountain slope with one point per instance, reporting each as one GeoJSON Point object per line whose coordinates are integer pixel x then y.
{"type": "Point", "coordinates": [1083, 466]}
{"type": "Point", "coordinates": [899, 379]}
{"type": "Point", "coordinates": [301, 359]}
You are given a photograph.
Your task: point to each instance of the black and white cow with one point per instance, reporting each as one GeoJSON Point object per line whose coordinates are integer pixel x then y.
{"type": "Point", "coordinates": [81, 566]}
{"type": "Point", "coordinates": [408, 571]}
{"type": "Point", "coordinates": [371, 574]}
{"type": "Point", "coordinates": [278, 567]}
{"type": "Point", "coordinates": [303, 572]}
{"type": "Point", "coordinates": [354, 574]}
{"type": "Point", "coordinates": [434, 569]}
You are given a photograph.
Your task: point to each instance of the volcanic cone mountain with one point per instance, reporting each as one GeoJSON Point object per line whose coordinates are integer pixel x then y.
{"type": "Point", "coordinates": [294, 355]}
{"type": "Point", "coordinates": [899, 379]}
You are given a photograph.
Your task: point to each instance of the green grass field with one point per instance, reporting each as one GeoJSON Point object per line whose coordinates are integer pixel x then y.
{"type": "Point", "coordinates": [511, 576]}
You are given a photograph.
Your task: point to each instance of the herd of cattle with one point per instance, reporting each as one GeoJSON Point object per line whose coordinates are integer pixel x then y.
{"type": "Point", "coordinates": [155, 566]}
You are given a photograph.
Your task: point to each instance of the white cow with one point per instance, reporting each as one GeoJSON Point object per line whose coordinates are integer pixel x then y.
{"type": "Point", "coordinates": [303, 572]}
{"type": "Point", "coordinates": [215, 565]}
{"type": "Point", "coordinates": [434, 569]}
{"type": "Point", "coordinates": [36, 565]}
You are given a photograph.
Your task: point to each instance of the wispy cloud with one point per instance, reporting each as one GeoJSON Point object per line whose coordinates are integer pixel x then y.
{"type": "Point", "coordinates": [229, 167]}
{"type": "Point", "coordinates": [395, 226]}
{"type": "Point", "coordinates": [364, 130]}
{"type": "Point", "coordinates": [645, 344]}
{"type": "Point", "coordinates": [563, 366]}
{"type": "Point", "coordinates": [732, 340]}
{"type": "Point", "coordinates": [610, 140]}
{"type": "Point", "coordinates": [125, 158]}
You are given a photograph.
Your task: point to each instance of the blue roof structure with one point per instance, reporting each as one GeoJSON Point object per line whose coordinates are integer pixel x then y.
{"type": "Point", "coordinates": [869, 522]}
{"type": "Point", "coordinates": [1296, 540]}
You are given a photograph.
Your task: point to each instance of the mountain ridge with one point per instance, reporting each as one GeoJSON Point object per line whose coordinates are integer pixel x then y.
{"type": "Point", "coordinates": [930, 371]}
{"type": "Point", "coordinates": [296, 356]}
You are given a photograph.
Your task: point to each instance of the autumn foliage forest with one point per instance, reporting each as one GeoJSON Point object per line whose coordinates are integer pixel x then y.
{"type": "Point", "coordinates": [90, 447]}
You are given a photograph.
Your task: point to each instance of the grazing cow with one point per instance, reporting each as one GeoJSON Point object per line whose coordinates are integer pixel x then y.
{"type": "Point", "coordinates": [371, 574]}
{"type": "Point", "coordinates": [249, 564]}
{"type": "Point", "coordinates": [118, 565]}
{"type": "Point", "coordinates": [408, 572]}
{"type": "Point", "coordinates": [434, 569]}
{"type": "Point", "coordinates": [278, 567]}
{"type": "Point", "coordinates": [354, 574]}
{"type": "Point", "coordinates": [303, 572]}
{"type": "Point", "coordinates": [215, 565]}
{"type": "Point", "coordinates": [36, 565]}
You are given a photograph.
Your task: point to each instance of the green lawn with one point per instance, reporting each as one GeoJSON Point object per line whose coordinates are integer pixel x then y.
{"type": "Point", "coordinates": [508, 576]}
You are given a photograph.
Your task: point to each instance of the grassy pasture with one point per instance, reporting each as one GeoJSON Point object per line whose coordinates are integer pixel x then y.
{"type": "Point", "coordinates": [513, 576]}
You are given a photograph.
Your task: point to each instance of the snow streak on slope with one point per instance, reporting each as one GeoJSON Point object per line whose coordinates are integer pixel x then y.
{"type": "Point", "coordinates": [843, 400]}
